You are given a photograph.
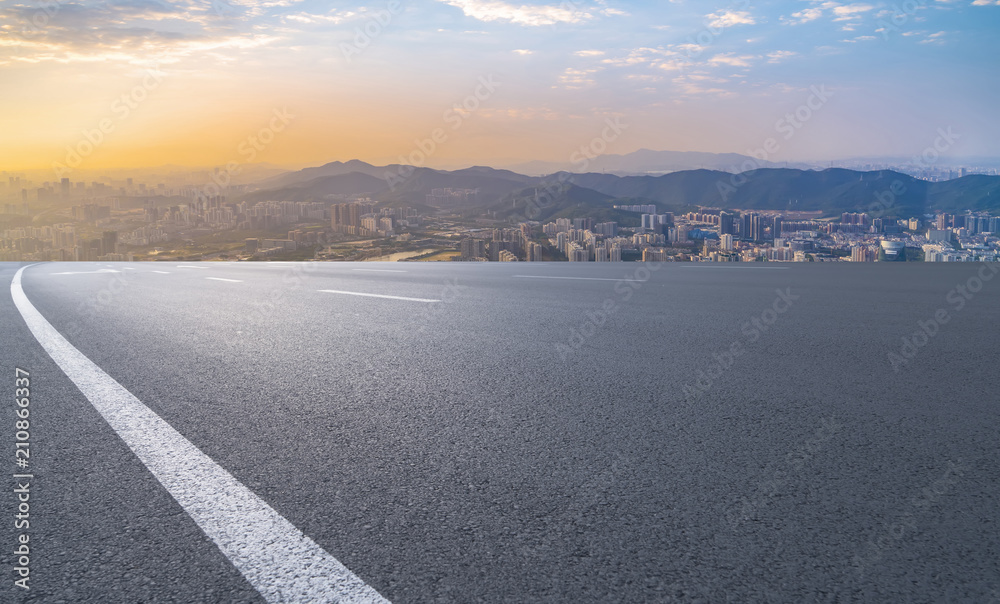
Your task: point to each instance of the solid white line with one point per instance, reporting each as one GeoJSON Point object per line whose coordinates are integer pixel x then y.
{"type": "Point", "coordinates": [377, 270]}
{"type": "Point", "coordinates": [572, 278]}
{"type": "Point", "coordinates": [226, 280]}
{"type": "Point", "coordinates": [161, 272]}
{"type": "Point", "coordinates": [204, 268]}
{"type": "Point", "coordinates": [129, 268]}
{"type": "Point", "coordinates": [279, 560]}
{"type": "Point", "coordinates": [335, 291]}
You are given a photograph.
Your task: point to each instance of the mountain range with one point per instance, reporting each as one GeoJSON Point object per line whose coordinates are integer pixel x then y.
{"type": "Point", "coordinates": [830, 191]}
{"type": "Point", "coordinates": [648, 162]}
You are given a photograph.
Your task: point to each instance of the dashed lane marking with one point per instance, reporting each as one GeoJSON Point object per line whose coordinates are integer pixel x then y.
{"type": "Point", "coordinates": [337, 291]}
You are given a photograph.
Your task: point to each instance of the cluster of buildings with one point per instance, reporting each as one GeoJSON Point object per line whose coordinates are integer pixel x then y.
{"type": "Point", "coordinates": [449, 198]}
{"type": "Point", "coordinates": [60, 242]}
{"type": "Point", "coordinates": [715, 235]}
{"type": "Point", "coordinates": [500, 245]}
{"type": "Point", "coordinates": [363, 219]}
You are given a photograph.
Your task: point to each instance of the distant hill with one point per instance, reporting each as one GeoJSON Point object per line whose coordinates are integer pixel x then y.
{"type": "Point", "coordinates": [831, 191]}
{"type": "Point", "coordinates": [646, 161]}
{"type": "Point", "coordinates": [317, 189]}
{"type": "Point", "coordinates": [331, 169]}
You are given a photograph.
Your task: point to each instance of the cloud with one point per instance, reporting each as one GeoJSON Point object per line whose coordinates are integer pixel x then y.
{"type": "Point", "coordinates": [577, 78]}
{"type": "Point", "coordinates": [589, 53]}
{"type": "Point", "coordinates": [935, 38]}
{"type": "Point", "coordinates": [986, 3]}
{"type": "Point", "coordinates": [697, 85]}
{"type": "Point", "coordinates": [780, 55]}
{"type": "Point", "coordinates": [525, 14]}
{"type": "Point", "coordinates": [132, 31]}
{"type": "Point", "coordinates": [804, 16]}
{"type": "Point", "coordinates": [523, 51]}
{"type": "Point", "coordinates": [850, 11]}
{"type": "Point", "coordinates": [310, 19]}
{"type": "Point", "coordinates": [728, 18]}
{"type": "Point", "coordinates": [732, 60]}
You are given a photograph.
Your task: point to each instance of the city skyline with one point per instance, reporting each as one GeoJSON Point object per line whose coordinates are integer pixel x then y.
{"type": "Point", "coordinates": [137, 84]}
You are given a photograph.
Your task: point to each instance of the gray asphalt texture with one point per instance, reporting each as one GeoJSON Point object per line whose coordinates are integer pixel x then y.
{"type": "Point", "coordinates": [477, 450]}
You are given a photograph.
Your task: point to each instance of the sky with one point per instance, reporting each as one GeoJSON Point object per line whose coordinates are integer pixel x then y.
{"type": "Point", "coordinates": [143, 83]}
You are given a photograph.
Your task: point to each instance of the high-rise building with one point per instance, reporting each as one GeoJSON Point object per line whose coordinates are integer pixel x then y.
{"type": "Point", "coordinates": [726, 242]}
{"type": "Point", "coordinates": [751, 228]}
{"type": "Point", "coordinates": [727, 224]}
{"type": "Point", "coordinates": [109, 239]}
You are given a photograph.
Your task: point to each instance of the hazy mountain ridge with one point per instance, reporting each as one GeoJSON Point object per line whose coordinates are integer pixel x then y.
{"type": "Point", "coordinates": [655, 163]}
{"type": "Point", "coordinates": [832, 190]}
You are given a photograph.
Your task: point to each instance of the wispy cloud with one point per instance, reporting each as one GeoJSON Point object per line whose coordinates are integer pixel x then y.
{"type": "Point", "coordinates": [135, 32]}
{"type": "Point", "coordinates": [732, 60]}
{"type": "Point", "coordinates": [935, 38]}
{"type": "Point", "coordinates": [577, 78]}
{"type": "Point", "coordinates": [729, 18]}
{"type": "Point", "coordinates": [524, 14]}
{"type": "Point", "coordinates": [803, 16]}
{"type": "Point", "coordinates": [780, 55]}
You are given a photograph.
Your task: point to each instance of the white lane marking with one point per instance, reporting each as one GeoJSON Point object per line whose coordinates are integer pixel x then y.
{"type": "Point", "coordinates": [376, 270]}
{"type": "Point", "coordinates": [161, 272]}
{"type": "Point", "coordinates": [204, 268]}
{"type": "Point", "coordinates": [226, 280]}
{"type": "Point", "coordinates": [97, 272]}
{"type": "Point", "coordinates": [752, 268]}
{"type": "Point", "coordinates": [129, 268]}
{"type": "Point", "coordinates": [336, 291]}
{"type": "Point", "coordinates": [572, 278]}
{"type": "Point", "coordinates": [279, 560]}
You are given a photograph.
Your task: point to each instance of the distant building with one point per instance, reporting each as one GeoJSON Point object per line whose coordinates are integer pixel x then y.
{"type": "Point", "coordinates": [894, 251]}
{"type": "Point", "coordinates": [726, 243]}
{"type": "Point", "coordinates": [938, 235]}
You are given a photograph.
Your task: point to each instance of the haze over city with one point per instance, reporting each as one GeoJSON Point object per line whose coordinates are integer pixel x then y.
{"type": "Point", "coordinates": [187, 83]}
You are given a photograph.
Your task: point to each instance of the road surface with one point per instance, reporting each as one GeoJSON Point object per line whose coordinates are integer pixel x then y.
{"type": "Point", "coordinates": [446, 432]}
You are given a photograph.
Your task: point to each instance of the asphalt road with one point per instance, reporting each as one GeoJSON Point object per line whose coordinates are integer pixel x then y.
{"type": "Point", "coordinates": [521, 432]}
